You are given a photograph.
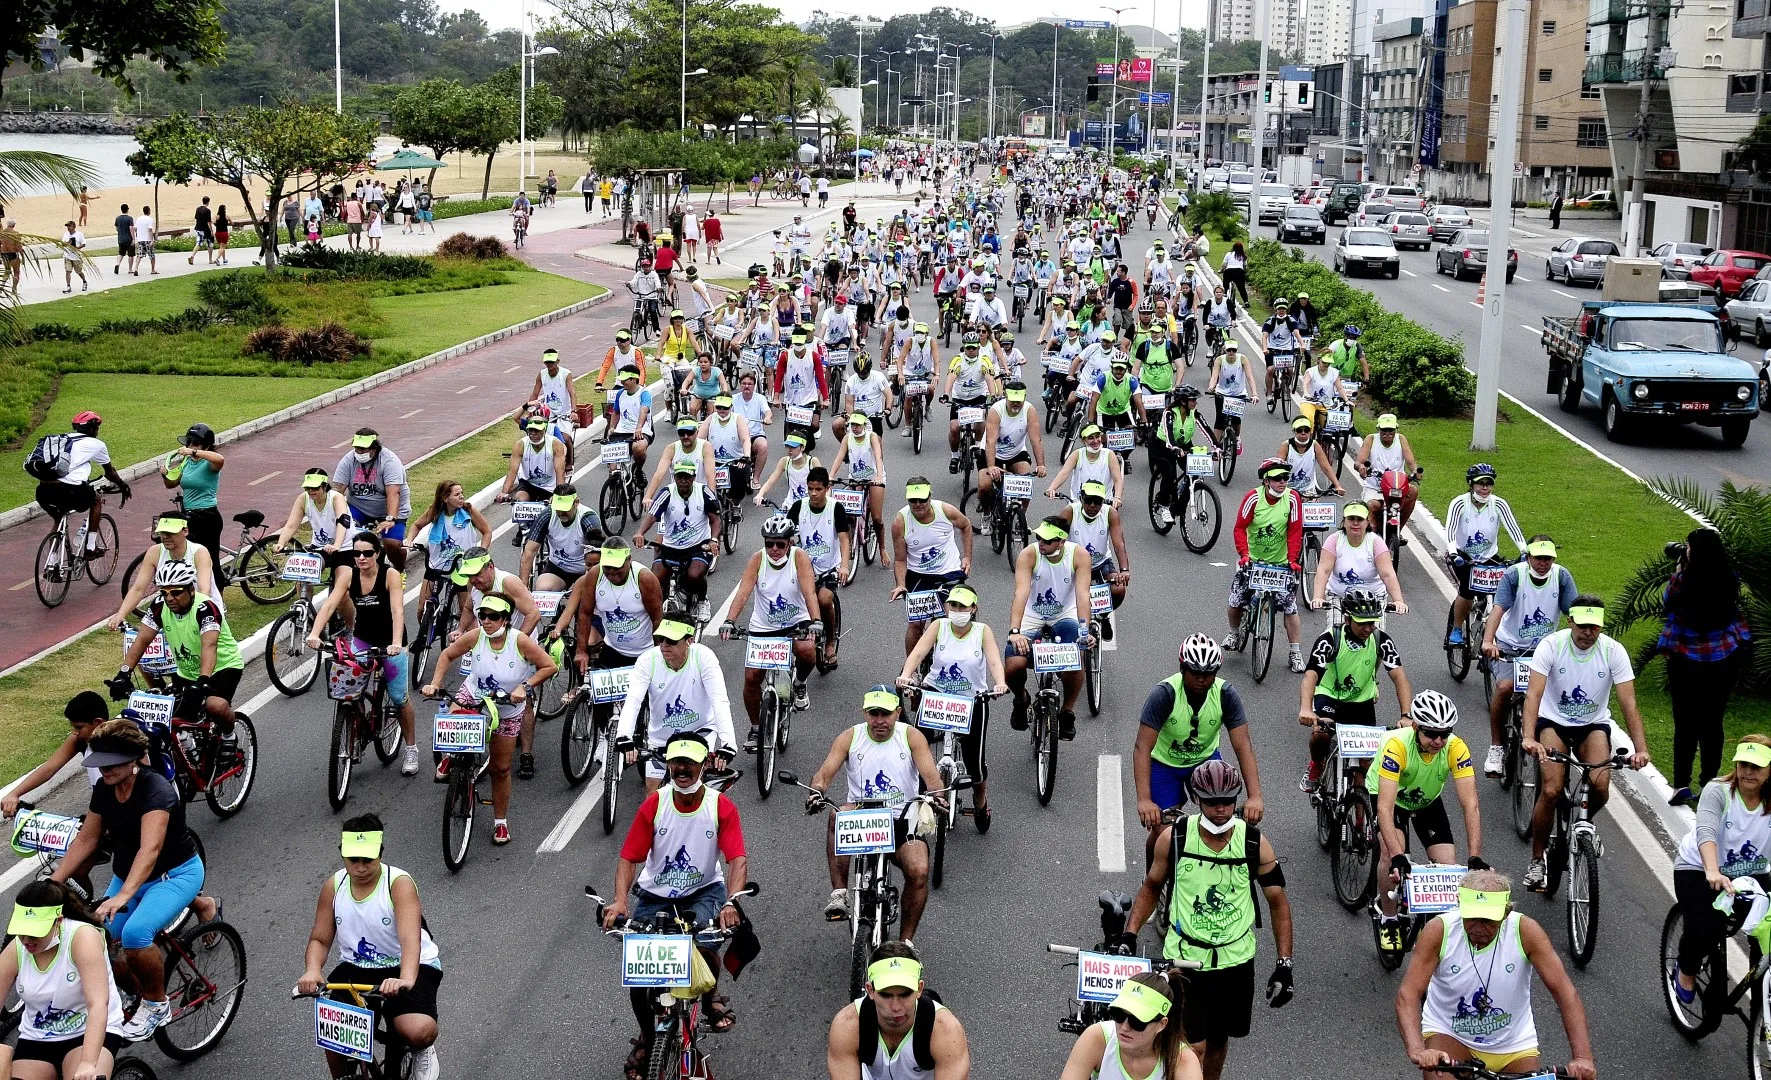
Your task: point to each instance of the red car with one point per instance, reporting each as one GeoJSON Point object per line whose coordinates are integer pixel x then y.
{"type": "Point", "coordinates": [1725, 270]}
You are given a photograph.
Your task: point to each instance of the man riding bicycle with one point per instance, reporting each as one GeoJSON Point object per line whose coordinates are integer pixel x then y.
{"type": "Point", "coordinates": [198, 638]}
{"type": "Point", "coordinates": [786, 589]}
{"type": "Point", "coordinates": [1473, 523]}
{"type": "Point", "coordinates": [1528, 606]}
{"type": "Point", "coordinates": [1051, 603]}
{"type": "Point", "coordinates": [1340, 683]}
{"type": "Point", "coordinates": [1269, 529]}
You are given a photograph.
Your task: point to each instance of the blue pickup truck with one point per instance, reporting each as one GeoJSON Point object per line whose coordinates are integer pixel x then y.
{"type": "Point", "coordinates": [1649, 364]}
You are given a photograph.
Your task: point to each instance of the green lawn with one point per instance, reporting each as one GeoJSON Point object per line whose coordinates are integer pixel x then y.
{"type": "Point", "coordinates": [423, 323]}
{"type": "Point", "coordinates": [148, 300]}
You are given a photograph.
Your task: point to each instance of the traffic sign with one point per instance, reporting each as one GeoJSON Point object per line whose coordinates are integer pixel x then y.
{"type": "Point", "coordinates": [1087, 24]}
{"type": "Point", "coordinates": [1161, 97]}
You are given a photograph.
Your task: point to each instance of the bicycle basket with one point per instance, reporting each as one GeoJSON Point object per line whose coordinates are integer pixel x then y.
{"type": "Point", "coordinates": [347, 673]}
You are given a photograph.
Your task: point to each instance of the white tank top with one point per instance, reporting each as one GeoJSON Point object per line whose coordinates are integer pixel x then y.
{"type": "Point", "coordinates": [779, 604]}
{"type": "Point", "coordinates": [499, 577]}
{"type": "Point", "coordinates": [1054, 587]}
{"type": "Point", "coordinates": [796, 477]}
{"type": "Point", "coordinates": [930, 549]}
{"type": "Point", "coordinates": [537, 466]}
{"type": "Point", "coordinates": [553, 390]}
{"type": "Point", "coordinates": [1745, 842]}
{"type": "Point", "coordinates": [499, 668]}
{"type": "Point", "coordinates": [321, 521]}
{"type": "Point", "coordinates": [801, 385]}
{"type": "Point", "coordinates": [898, 1065]}
{"type": "Point", "coordinates": [817, 535]}
{"type": "Point", "coordinates": [727, 446]}
{"type": "Point", "coordinates": [55, 1000]}
{"type": "Point", "coordinates": [1114, 1069]}
{"type": "Point", "coordinates": [1482, 999]}
{"type": "Point", "coordinates": [1383, 458]}
{"type": "Point", "coordinates": [447, 537]}
{"type": "Point", "coordinates": [1319, 387]}
{"type": "Point", "coordinates": [685, 848]}
{"type": "Point", "coordinates": [1535, 612]}
{"type": "Point", "coordinates": [862, 461]}
{"type": "Point", "coordinates": [1093, 535]}
{"type": "Point", "coordinates": [693, 453]}
{"type": "Point", "coordinates": [1011, 431]}
{"type": "Point", "coordinates": [968, 384]}
{"type": "Point", "coordinates": [882, 770]}
{"type": "Point", "coordinates": [365, 934]}
{"type": "Point", "coordinates": [957, 664]}
{"type": "Point", "coordinates": [1087, 468]}
{"type": "Point", "coordinates": [920, 360]}
{"type": "Point", "coordinates": [679, 701]}
{"type": "Point", "coordinates": [1354, 567]}
{"type": "Point", "coordinates": [1303, 466]}
{"type": "Point", "coordinates": [1233, 379]}
{"type": "Point", "coordinates": [627, 625]}
{"type": "Point", "coordinates": [627, 411]}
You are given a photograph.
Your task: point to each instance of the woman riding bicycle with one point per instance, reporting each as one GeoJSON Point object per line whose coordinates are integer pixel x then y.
{"type": "Point", "coordinates": [1731, 840]}
{"type": "Point", "coordinates": [963, 659]}
{"type": "Point", "coordinates": [57, 964]}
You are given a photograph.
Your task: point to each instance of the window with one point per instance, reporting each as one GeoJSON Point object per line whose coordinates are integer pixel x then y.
{"type": "Point", "coordinates": [1549, 27]}
{"type": "Point", "coordinates": [1540, 123]}
{"type": "Point", "coordinates": [1589, 93]}
{"type": "Point", "coordinates": [1545, 74]}
{"type": "Point", "coordinates": [1590, 132]}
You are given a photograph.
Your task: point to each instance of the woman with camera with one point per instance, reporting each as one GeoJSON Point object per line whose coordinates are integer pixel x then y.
{"type": "Point", "coordinates": [1704, 640]}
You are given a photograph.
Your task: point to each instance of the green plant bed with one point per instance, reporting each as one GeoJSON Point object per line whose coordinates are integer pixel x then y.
{"type": "Point", "coordinates": [150, 299]}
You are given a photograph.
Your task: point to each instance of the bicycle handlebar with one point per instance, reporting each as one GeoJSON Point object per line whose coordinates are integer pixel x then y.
{"type": "Point", "coordinates": [1618, 760]}
{"type": "Point", "coordinates": [710, 929]}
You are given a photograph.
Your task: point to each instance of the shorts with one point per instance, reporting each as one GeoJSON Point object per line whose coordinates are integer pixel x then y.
{"type": "Point", "coordinates": [396, 531]}
{"type": "Point", "coordinates": [1430, 823]}
{"type": "Point", "coordinates": [1240, 592]}
{"type": "Point", "coordinates": [205, 238]}
{"type": "Point", "coordinates": [144, 248]}
{"type": "Point", "coordinates": [1025, 457]}
{"type": "Point", "coordinates": [56, 1051]}
{"type": "Point", "coordinates": [510, 714]}
{"type": "Point", "coordinates": [222, 684]}
{"type": "Point", "coordinates": [1346, 712]}
{"type": "Point", "coordinates": [701, 906]}
{"type": "Point", "coordinates": [221, 237]}
{"type": "Point", "coordinates": [864, 313]}
{"type": "Point", "coordinates": [1064, 631]}
{"type": "Point", "coordinates": [158, 902]}
{"type": "Point", "coordinates": [427, 215]}
{"type": "Point", "coordinates": [1168, 783]}
{"type": "Point", "coordinates": [1218, 1005]}
{"type": "Point", "coordinates": [57, 498]}
{"type": "Point", "coordinates": [966, 403]}
{"type": "Point", "coordinates": [570, 577]}
{"type": "Point", "coordinates": [1497, 1063]}
{"type": "Point", "coordinates": [680, 556]}
{"type": "Point", "coordinates": [420, 1000]}
{"type": "Point", "coordinates": [355, 228]}
{"type": "Point", "coordinates": [1573, 736]}
{"type": "Point", "coordinates": [535, 492]}
{"type": "Point", "coordinates": [125, 247]}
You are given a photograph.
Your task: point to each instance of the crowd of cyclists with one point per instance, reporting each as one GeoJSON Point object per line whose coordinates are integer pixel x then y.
{"type": "Point", "coordinates": [844, 337]}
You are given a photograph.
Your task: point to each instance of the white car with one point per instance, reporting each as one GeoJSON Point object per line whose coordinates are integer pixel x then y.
{"type": "Point", "coordinates": [1275, 198]}
{"type": "Point", "coordinates": [1410, 230]}
{"type": "Point", "coordinates": [1679, 258]}
{"type": "Point", "coordinates": [1372, 212]}
{"type": "Point", "coordinates": [1749, 314]}
{"type": "Point", "coordinates": [1366, 250]}
{"type": "Point", "coordinates": [1241, 186]}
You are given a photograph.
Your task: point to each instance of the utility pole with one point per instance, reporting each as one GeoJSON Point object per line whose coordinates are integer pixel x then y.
{"type": "Point", "coordinates": [1263, 20]}
{"type": "Point", "coordinates": [1204, 83]}
{"type": "Point", "coordinates": [1056, 23]}
{"type": "Point", "coordinates": [990, 106]}
{"type": "Point", "coordinates": [1111, 143]}
{"type": "Point", "coordinates": [1500, 195]}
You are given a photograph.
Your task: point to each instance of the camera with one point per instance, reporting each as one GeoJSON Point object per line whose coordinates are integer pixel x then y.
{"type": "Point", "coordinates": [1675, 549]}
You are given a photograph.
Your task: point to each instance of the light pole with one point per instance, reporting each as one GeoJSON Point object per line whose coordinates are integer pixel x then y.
{"type": "Point", "coordinates": [683, 83]}
{"type": "Point", "coordinates": [1113, 108]}
{"type": "Point", "coordinates": [861, 28]}
{"type": "Point", "coordinates": [888, 54]}
{"type": "Point", "coordinates": [957, 50]}
{"type": "Point", "coordinates": [1204, 88]}
{"type": "Point", "coordinates": [338, 61]}
{"type": "Point", "coordinates": [683, 120]}
{"type": "Point", "coordinates": [1263, 21]}
{"type": "Point", "coordinates": [525, 71]}
{"type": "Point", "coordinates": [990, 107]}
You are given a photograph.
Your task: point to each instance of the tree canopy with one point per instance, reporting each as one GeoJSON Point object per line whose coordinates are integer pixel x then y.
{"type": "Point", "coordinates": [177, 35]}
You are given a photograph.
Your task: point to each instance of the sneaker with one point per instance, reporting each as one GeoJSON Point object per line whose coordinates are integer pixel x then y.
{"type": "Point", "coordinates": [1312, 778]}
{"type": "Point", "coordinates": [1456, 637]}
{"type": "Point", "coordinates": [802, 698]}
{"type": "Point", "coordinates": [953, 464]}
{"type": "Point", "coordinates": [1684, 996]}
{"type": "Point", "coordinates": [984, 527]}
{"type": "Point", "coordinates": [753, 740]}
{"type": "Point", "coordinates": [526, 767]}
{"type": "Point", "coordinates": [1389, 935]}
{"type": "Point", "coordinates": [1233, 641]}
{"type": "Point", "coordinates": [1165, 517]}
{"type": "Point", "coordinates": [1066, 725]}
{"type": "Point", "coordinates": [904, 434]}
{"type": "Point", "coordinates": [1537, 876]}
{"type": "Point", "coordinates": [703, 611]}
{"type": "Point", "coordinates": [500, 833]}
{"type": "Point", "coordinates": [1681, 797]}
{"type": "Point", "coordinates": [1297, 659]}
{"type": "Point", "coordinates": [838, 908]}
{"type": "Point", "coordinates": [1017, 717]}
{"type": "Point", "coordinates": [1495, 762]}
{"type": "Point", "coordinates": [442, 776]}
{"type": "Point", "coordinates": [424, 1064]}
{"type": "Point", "coordinates": [409, 767]}
{"type": "Point", "coordinates": [147, 1019]}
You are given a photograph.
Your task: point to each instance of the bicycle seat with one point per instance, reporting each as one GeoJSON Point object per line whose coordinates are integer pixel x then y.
{"type": "Point", "coordinates": [252, 519]}
{"type": "Point", "coordinates": [1114, 901]}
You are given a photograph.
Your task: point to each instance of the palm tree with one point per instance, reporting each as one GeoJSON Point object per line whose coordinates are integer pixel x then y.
{"type": "Point", "coordinates": [21, 171]}
{"type": "Point", "coordinates": [838, 129]}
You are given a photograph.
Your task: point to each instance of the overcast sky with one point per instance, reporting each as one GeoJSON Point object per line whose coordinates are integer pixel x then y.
{"type": "Point", "coordinates": [507, 13]}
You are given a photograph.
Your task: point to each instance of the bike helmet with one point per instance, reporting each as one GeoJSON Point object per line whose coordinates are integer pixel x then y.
{"type": "Point", "coordinates": [1352, 332]}
{"type": "Point", "coordinates": [82, 422]}
{"type": "Point", "coordinates": [971, 341]}
{"type": "Point", "coordinates": [1005, 339]}
{"type": "Point", "coordinates": [200, 434]}
{"type": "Point", "coordinates": [171, 574]}
{"type": "Point", "coordinates": [1187, 392]}
{"type": "Point", "coordinates": [1281, 302]}
{"type": "Point", "coordinates": [779, 527]}
{"type": "Point", "coordinates": [1274, 468]}
{"type": "Point", "coordinates": [1363, 605]}
{"type": "Point", "coordinates": [1480, 470]}
{"type": "Point", "coordinates": [1215, 779]}
{"type": "Point", "coordinates": [1434, 711]}
{"type": "Point", "coordinates": [1200, 653]}
{"type": "Point", "coordinates": [863, 364]}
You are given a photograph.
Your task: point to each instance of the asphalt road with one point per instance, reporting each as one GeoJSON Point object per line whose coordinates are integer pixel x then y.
{"type": "Point", "coordinates": [533, 990]}
{"type": "Point", "coordinates": [1450, 307]}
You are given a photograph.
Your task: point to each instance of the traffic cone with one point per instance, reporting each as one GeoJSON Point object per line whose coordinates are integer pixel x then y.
{"type": "Point", "coordinates": [1482, 289]}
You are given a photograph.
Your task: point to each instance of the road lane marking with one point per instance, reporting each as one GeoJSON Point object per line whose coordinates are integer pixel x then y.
{"type": "Point", "coordinates": [414, 412]}
{"type": "Point", "coordinates": [1440, 287]}
{"type": "Point", "coordinates": [1411, 273]}
{"type": "Point", "coordinates": [588, 336]}
{"type": "Point", "coordinates": [1109, 815]}
{"type": "Point", "coordinates": [1559, 292]}
{"type": "Point", "coordinates": [25, 584]}
{"type": "Point", "coordinates": [336, 445]}
{"type": "Point", "coordinates": [265, 477]}
{"type": "Point", "coordinates": [1533, 329]}
{"type": "Point", "coordinates": [509, 369]}
{"type": "Point", "coordinates": [465, 389]}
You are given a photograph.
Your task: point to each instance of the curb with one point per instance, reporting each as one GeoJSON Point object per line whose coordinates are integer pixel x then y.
{"type": "Point", "coordinates": [21, 514]}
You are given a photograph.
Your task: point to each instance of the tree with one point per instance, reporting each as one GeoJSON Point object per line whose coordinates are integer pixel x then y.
{"type": "Point", "coordinates": [543, 106]}
{"type": "Point", "coordinates": [431, 115]}
{"type": "Point", "coordinates": [20, 172]}
{"type": "Point", "coordinates": [488, 120]}
{"type": "Point", "coordinates": [277, 144]}
{"type": "Point", "coordinates": [177, 35]}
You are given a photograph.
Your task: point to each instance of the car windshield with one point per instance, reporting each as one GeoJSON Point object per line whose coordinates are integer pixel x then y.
{"type": "Point", "coordinates": [1408, 219]}
{"type": "Point", "coordinates": [1276, 190]}
{"type": "Point", "coordinates": [1367, 238]}
{"type": "Point", "coordinates": [1666, 335]}
{"type": "Point", "coordinates": [1242, 178]}
{"type": "Point", "coordinates": [1308, 213]}
{"type": "Point", "coordinates": [1451, 212]}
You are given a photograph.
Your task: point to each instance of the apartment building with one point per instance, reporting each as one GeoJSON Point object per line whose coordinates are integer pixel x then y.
{"type": "Point", "coordinates": [1469, 71]}
{"type": "Point", "coordinates": [1239, 20]}
{"type": "Point", "coordinates": [1328, 31]}
{"type": "Point", "coordinates": [1394, 102]}
{"type": "Point", "coordinates": [1749, 94]}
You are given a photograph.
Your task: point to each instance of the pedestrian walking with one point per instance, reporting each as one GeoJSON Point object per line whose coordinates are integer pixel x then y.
{"type": "Point", "coordinates": [203, 229]}
{"type": "Point", "coordinates": [408, 204]}
{"type": "Point", "coordinates": [73, 242]}
{"type": "Point", "coordinates": [1556, 211]}
{"type": "Point", "coordinates": [587, 188]}
{"type": "Point", "coordinates": [147, 232]}
{"type": "Point", "coordinates": [427, 209]}
{"type": "Point", "coordinates": [292, 218]}
{"type": "Point", "coordinates": [223, 231]}
{"type": "Point", "coordinates": [12, 257]}
{"type": "Point", "coordinates": [691, 233]}
{"type": "Point", "coordinates": [605, 190]}
{"type": "Point", "coordinates": [1704, 639]}
{"type": "Point", "coordinates": [81, 201]}
{"type": "Point", "coordinates": [125, 225]}
{"type": "Point", "coordinates": [354, 215]}
{"type": "Point", "coordinates": [375, 226]}
{"type": "Point", "coordinates": [714, 232]}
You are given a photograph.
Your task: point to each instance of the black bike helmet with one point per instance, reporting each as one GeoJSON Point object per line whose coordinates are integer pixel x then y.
{"type": "Point", "coordinates": [1187, 392]}
{"type": "Point", "coordinates": [1363, 605]}
{"type": "Point", "coordinates": [202, 436]}
{"type": "Point", "coordinates": [1479, 471]}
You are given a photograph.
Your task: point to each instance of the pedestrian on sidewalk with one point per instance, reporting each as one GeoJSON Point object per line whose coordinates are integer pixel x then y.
{"type": "Point", "coordinates": [81, 202]}
{"type": "Point", "coordinates": [125, 241]}
{"type": "Point", "coordinates": [1704, 639]}
{"type": "Point", "coordinates": [714, 232]}
{"type": "Point", "coordinates": [691, 233]}
{"type": "Point", "coordinates": [1236, 271]}
{"type": "Point", "coordinates": [223, 231]}
{"type": "Point", "coordinates": [587, 188]}
{"type": "Point", "coordinates": [203, 229]}
{"type": "Point", "coordinates": [313, 229]}
{"type": "Point", "coordinates": [408, 204]}
{"type": "Point", "coordinates": [1556, 211]}
{"type": "Point", "coordinates": [292, 218]}
{"type": "Point", "coordinates": [375, 226]}
{"type": "Point", "coordinates": [147, 231]}
{"type": "Point", "coordinates": [313, 206]}
{"type": "Point", "coordinates": [12, 257]}
{"type": "Point", "coordinates": [353, 220]}
{"type": "Point", "coordinates": [73, 242]}
{"type": "Point", "coordinates": [427, 214]}
{"type": "Point", "coordinates": [605, 190]}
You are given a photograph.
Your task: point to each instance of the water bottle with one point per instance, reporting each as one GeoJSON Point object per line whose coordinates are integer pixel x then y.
{"type": "Point", "coordinates": [187, 742]}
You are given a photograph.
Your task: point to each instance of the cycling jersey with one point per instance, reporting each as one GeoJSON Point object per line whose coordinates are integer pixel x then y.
{"type": "Point", "coordinates": [1481, 997]}
{"type": "Point", "coordinates": [1189, 736]}
{"type": "Point", "coordinates": [183, 635]}
{"type": "Point", "coordinates": [1115, 395]}
{"type": "Point", "coordinates": [1420, 778]}
{"type": "Point", "coordinates": [1347, 668]}
{"type": "Point", "coordinates": [1212, 913]}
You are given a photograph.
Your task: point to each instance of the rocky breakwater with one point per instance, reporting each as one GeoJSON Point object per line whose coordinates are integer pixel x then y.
{"type": "Point", "coordinates": [66, 123]}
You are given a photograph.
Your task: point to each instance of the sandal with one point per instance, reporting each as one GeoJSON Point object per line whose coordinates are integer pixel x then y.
{"type": "Point", "coordinates": [637, 1060]}
{"type": "Point", "coordinates": [719, 1016]}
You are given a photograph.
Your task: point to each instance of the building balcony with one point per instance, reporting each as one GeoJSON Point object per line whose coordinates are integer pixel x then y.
{"type": "Point", "coordinates": [1751, 18]}
{"type": "Point", "coordinates": [1604, 12]}
{"type": "Point", "coordinates": [1747, 93]}
{"type": "Point", "coordinates": [1635, 65]}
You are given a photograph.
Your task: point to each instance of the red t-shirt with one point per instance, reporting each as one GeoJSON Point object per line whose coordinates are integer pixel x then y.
{"type": "Point", "coordinates": [712, 230]}
{"type": "Point", "coordinates": [665, 258]}
{"type": "Point", "coordinates": [638, 844]}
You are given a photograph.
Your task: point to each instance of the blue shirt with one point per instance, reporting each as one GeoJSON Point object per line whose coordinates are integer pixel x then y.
{"type": "Point", "coordinates": [198, 482]}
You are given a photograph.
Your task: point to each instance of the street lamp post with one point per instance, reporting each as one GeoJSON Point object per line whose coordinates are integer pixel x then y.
{"type": "Point", "coordinates": [526, 71]}
{"type": "Point", "coordinates": [990, 106]}
{"type": "Point", "coordinates": [1113, 108]}
{"type": "Point", "coordinates": [888, 54]}
{"type": "Point", "coordinates": [683, 118]}
{"type": "Point", "coordinates": [337, 61]}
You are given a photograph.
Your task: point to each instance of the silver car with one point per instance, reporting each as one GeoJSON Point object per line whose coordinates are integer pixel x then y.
{"type": "Point", "coordinates": [1369, 250]}
{"type": "Point", "coordinates": [1750, 312]}
{"type": "Point", "coordinates": [1447, 220]}
{"type": "Point", "coordinates": [1409, 230]}
{"type": "Point", "coordinates": [1579, 258]}
{"type": "Point", "coordinates": [1372, 212]}
{"type": "Point", "coordinates": [1680, 258]}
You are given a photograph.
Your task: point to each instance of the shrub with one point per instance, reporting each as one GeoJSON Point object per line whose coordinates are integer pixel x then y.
{"type": "Point", "coordinates": [193, 318]}
{"type": "Point", "coordinates": [238, 295]}
{"type": "Point", "coordinates": [271, 341]}
{"type": "Point", "coordinates": [467, 246]}
{"type": "Point", "coordinates": [328, 343]}
{"type": "Point", "coordinates": [1216, 213]}
{"type": "Point", "coordinates": [463, 207]}
{"type": "Point", "coordinates": [358, 265]}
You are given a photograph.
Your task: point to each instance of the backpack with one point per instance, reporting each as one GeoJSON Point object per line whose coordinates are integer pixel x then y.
{"type": "Point", "coordinates": [922, 1032]}
{"type": "Point", "coordinates": [48, 460]}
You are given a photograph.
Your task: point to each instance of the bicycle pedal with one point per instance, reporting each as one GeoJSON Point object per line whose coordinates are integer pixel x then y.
{"type": "Point", "coordinates": [968, 811]}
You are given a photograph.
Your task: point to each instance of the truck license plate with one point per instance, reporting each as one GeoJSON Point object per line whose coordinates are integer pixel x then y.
{"type": "Point", "coordinates": [1694, 406]}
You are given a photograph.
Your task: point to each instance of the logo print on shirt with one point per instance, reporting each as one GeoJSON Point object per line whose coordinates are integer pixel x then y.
{"type": "Point", "coordinates": [53, 1021]}
{"type": "Point", "coordinates": [678, 716]}
{"type": "Point", "coordinates": [1576, 704]}
{"type": "Point", "coordinates": [368, 955]}
{"type": "Point", "coordinates": [1747, 859]}
{"type": "Point", "coordinates": [679, 872]}
{"type": "Point", "coordinates": [1478, 1016]}
{"type": "Point", "coordinates": [950, 679]}
{"type": "Point", "coordinates": [1046, 603]}
{"type": "Point", "coordinates": [881, 787]}
{"type": "Point", "coordinates": [779, 611]}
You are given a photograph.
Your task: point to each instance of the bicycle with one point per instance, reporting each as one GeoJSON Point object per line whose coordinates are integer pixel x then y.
{"type": "Point", "coordinates": [363, 714]}
{"type": "Point", "coordinates": [1714, 1000]}
{"type": "Point", "coordinates": [1346, 813]}
{"type": "Point", "coordinates": [554, 696]}
{"type": "Point", "coordinates": [1009, 532]}
{"type": "Point", "coordinates": [251, 563]}
{"type": "Point", "coordinates": [1230, 439]}
{"type": "Point", "coordinates": [1475, 1070]}
{"type": "Point", "coordinates": [866, 834]}
{"type": "Point", "coordinates": [1023, 292]}
{"type": "Point", "coordinates": [731, 511]}
{"type": "Point", "coordinates": [57, 568]}
{"type": "Point", "coordinates": [1393, 486]}
{"type": "Point", "coordinates": [1337, 430]}
{"type": "Point", "coordinates": [953, 716]}
{"type": "Point", "coordinates": [971, 429]}
{"type": "Point", "coordinates": [1050, 659]}
{"type": "Point", "coordinates": [780, 687]}
{"type": "Point", "coordinates": [358, 1029]}
{"type": "Point", "coordinates": [1201, 516]}
{"type": "Point", "coordinates": [1517, 776]}
{"type": "Point", "coordinates": [915, 406]}
{"type": "Point", "coordinates": [1086, 1011]}
{"type": "Point", "coordinates": [645, 316]}
{"type": "Point", "coordinates": [461, 735]}
{"type": "Point", "coordinates": [1284, 383]}
{"type": "Point", "coordinates": [1318, 519]}
{"type": "Point", "coordinates": [1575, 847]}
{"type": "Point", "coordinates": [435, 622]}
{"type": "Point", "coordinates": [1267, 582]}
{"type": "Point", "coordinates": [621, 492]}
{"type": "Point", "coordinates": [1485, 578]}
{"type": "Point", "coordinates": [291, 665]}
{"type": "Point", "coordinates": [674, 1053]}
{"type": "Point", "coordinates": [1425, 891]}
{"type": "Point", "coordinates": [865, 541]}
{"type": "Point", "coordinates": [192, 755]}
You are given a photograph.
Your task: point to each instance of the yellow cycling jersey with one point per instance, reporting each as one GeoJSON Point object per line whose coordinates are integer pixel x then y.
{"type": "Point", "coordinates": [1420, 779]}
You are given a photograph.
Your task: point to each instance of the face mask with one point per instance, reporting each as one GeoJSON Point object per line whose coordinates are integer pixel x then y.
{"type": "Point", "coordinates": [961, 619]}
{"type": "Point", "coordinates": [1213, 827]}
{"type": "Point", "coordinates": [1478, 499]}
{"type": "Point", "coordinates": [680, 789]}
{"type": "Point", "coordinates": [364, 456]}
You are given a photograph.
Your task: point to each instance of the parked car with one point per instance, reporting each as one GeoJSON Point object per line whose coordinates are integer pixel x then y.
{"type": "Point", "coordinates": [1303, 223]}
{"type": "Point", "coordinates": [1680, 258]}
{"type": "Point", "coordinates": [1369, 250]}
{"type": "Point", "coordinates": [1410, 230]}
{"type": "Point", "coordinates": [1579, 258]}
{"type": "Point", "coordinates": [1372, 212]}
{"type": "Point", "coordinates": [1467, 256]}
{"type": "Point", "coordinates": [1750, 312]}
{"type": "Point", "coordinates": [1727, 269]}
{"type": "Point", "coordinates": [1596, 200]}
{"type": "Point", "coordinates": [1447, 220]}
{"type": "Point", "coordinates": [1402, 198]}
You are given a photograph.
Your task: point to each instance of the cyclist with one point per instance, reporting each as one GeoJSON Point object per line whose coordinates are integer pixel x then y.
{"type": "Point", "coordinates": [678, 350]}
{"type": "Point", "coordinates": [880, 758]}
{"type": "Point", "coordinates": [1354, 557]}
{"type": "Point", "coordinates": [961, 658]}
{"type": "Point", "coordinates": [864, 454]}
{"type": "Point", "coordinates": [568, 533]}
{"type": "Point", "coordinates": [729, 433]}
{"type": "Point", "coordinates": [796, 464]}
{"type": "Point", "coordinates": [1349, 356]}
{"type": "Point", "coordinates": [477, 577]}
{"type": "Point", "coordinates": [1007, 445]}
{"type": "Point", "coordinates": [1116, 402]}
{"type": "Point", "coordinates": [1409, 784]}
{"type": "Point", "coordinates": [1051, 603]}
{"type": "Point", "coordinates": [537, 464]}
{"type": "Point", "coordinates": [670, 862]}
{"type": "Point", "coordinates": [1213, 913]}
{"type": "Point", "coordinates": [1231, 376]}
{"type": "Point", "coordinates": [1178, 432]}
{"type": "Point", "coordinates": [371, 912]}
{"type": "Point", "coordinates": [1568, 709]}
{"type": "Point", "coordinates": [1090, 461]}
{"type": "Point", "coordinates": [621, 355]}
{"type": "Point", "coordinates": [1473, 523]}
{"type": "Point", "coordinates": [85, 711]}
{"type": "Point", "coordinates": [1140, 1036]}
{"type": "Point", "coordinates": [555, 388]}
{"type": "Point", "coordinates": [705, 382]}
{"type": "Point", "coordinates": [866, 391]}
{"type": "Point", "coordinates": [1181, 727]}
{"type": "Point", "coordinates": [198, 638]}
{"type": "Point", "coordinates": [1528, 606]}
{"type": "Point", "coordinates": [1387, 450]}
{"type": "Point", "coordinates": [156, 871]}
{"type": "Point", "coordinates": [197, 476]}
{"type": "Point", "coordinates": [500, 658]}
{"type": "Point", "coordinates": [172, 547]}
{"type": "Point", "coordinates": [370, 597]}
{"type": "Point", "coordinates": [970, 384]}
{"type": "Point", "coordinates": [64, 483]}
{"type": "Point", "coordinates": [825, 532]}
{"type": "Point", "coordinates": [1220, 316]}
{"type": "Point", "coordinates": [373, 480]}
{"type": "Point", "coordinates": [1269, 529]}
{"type": "Point", "coordinates": [754, 408]}
{"type": "Point", "coordinates": [786, 588]}
{"type": "Point", "coordinates": [800, 382]}
{"type": "Point", "coordinates": [614, 614]}
{"type": "Point", "coordinates": [1730, 841]}
{"type": "Point", "coordinates": [1485, 952]}
{"type": "Point", "coordinates": [1308, 458]}
{"type": "Point", "coordinates": [1340, 683]}
{"type": "Point", "coordinates": [630, 417]}
{"type": "Point", "coordinates": [1099, 530]}
{"type": "Point", "coordinates": [681, 682]}
{"type": "Point", "coordinates": [328, 517]}
{"type": "Point", "coordinates": [931, 548]}
{"type": "Point", "coordinates": [1318, 388]}
{"type": "Point", "coordinates": [687, 515]}
{"type": "Point", "coordinates": [867, 1038]}
{"type": "Point", "coordinates": [690, 447]}
{"type": "Point", "coordinates": [59, 1005]}
{"type": "Point", "coordinates": [1278, 335]}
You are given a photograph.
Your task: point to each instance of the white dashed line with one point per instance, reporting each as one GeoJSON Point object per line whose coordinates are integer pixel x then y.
{"type": "Point", "coordinates": [1440, 287]}
{"type": "Point", "coordinates": [510, 369]}
{"type": "Point", "coordinates": [1109, 815]}
{"type": "Point", "coordinates": [1533, 329]}
{"type": "Point", "coordinates": [1411, 273]}
{"type": "Point", "coordinates": [414, 412]}
{"type": "Point", "coordinates": [265, 477]}
{"type": "Point", "coordinates": [1559, 292]}
{"type": "Point", "coordinates": [465, 389]}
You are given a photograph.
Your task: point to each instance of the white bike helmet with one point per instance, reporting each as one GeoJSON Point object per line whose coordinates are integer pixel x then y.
{"type": "Point", "coordinates": [171, 574]}
{"type": "Point", "coordinates": [1201, 654]}
{"type": "Point", "coordinates": [1434, 711]}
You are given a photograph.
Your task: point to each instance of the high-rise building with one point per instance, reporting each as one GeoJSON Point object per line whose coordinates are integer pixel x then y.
{"type": "Point", "coordinates": [1239, 20]}
{"type": "Point", "coordinates": [1328, 31]}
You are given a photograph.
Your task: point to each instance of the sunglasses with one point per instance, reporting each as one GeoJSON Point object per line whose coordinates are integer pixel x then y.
{"type": "Point", "coordinates": [488, 613]}
{"type": "Point", "coordinates": [177, 590]}
{"type": "Point", "coordinates": [1120, 1016]}
{"type": "Point", "coordinates": [776, 544]}
{"type": "Point", "coordinates": [363, 553]}
{"type": "Point", "coordinates": [1217, 802]}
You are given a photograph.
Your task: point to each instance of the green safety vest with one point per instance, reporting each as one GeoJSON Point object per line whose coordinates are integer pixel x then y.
{"type": "Point", "coordinates": [1346, 359]}
{"type": "Point", "coordinates": [1352, 674]}
{"type": "Point", "coordinates": [1188, 737]}
{"type": "Point", "coordinates": [1422, 778]}
{"type": "Point", "coordinates": [185, 642]}
{"type": "Point", "coordinates": [1115, 396]}
{"type": "Point", "coordinates": [1158, 369]}
{"type": "Point", "coordinates": [1212, 912]}
{"type": "Point", "coordinates": [1181, 429]}
{"type": "Point", "coordinates": [1267, 540]}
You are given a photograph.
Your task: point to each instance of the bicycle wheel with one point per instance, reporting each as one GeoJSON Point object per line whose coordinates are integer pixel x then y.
{"type": "Point", "coordinates": [388, 736]}
{"type": "Point", "coordinates": [1759, 1063]}
{"type": "Point", "coordinates": [99, 570]}
{"type": "Point", "coordinates": [666, 1062]}
{"type": "Point", "coordinates": [53, 572]}
{"type": "Point", "coordinates": [915, 425]}
{"type": "Point", "coordinates": [614, 764]}
{"type": "Point", "coordinates": [1525, 795]}
{"type": "Point", "coordinates": [1325, 830]}
{"type": "Point", "coordinates": [259, 573]}
{"type": "Point", "coordinates": [1091, 673]}
{"type": "Point", "coordinates": [1229, 452]}
{"type": "Point", "coordinates": [291, 665]}
{"type": "Point", "coordinates": [1484, 665]}
{"type": "Point", "coordinates": [1155, 505]}
{"type": "Point", "coordinates": [611, 503]}
{"type": "Point", "coordinates": [1457, 657]}
{"type": "Point", "coordinates": [131, 1069]}
{"type": "Point", "coordinates": [1351, 858]}
{"type": "Point", "coordinates": [869, 543]}
{"type": "Point", "coordinates": [578, 742]}
{"type": "Point", "coordinates": [895, 415]}
{"type": "Point", "coordinates": [1705, 1012]}
{"type": "Point", "coordinates": [1261, 655]}
{"type": "Point", "coordinates": [1583, 899]}
{"type": "Point", "coordinates": [205, 973]}
{"type": "Point", "coordinates": [832, 637]}
{"type": "Point", "coordinates": [1307, 559]}
{"type": "Point", "coordinates": [1045, 754]}
{"type": "Point", "coordinates": [233, 770]}
{"type": "Point", "coordinates": [1555, 861]}
{"type": "Point", "coordinates": [338, 763]}
{"type": "Point", "coordinates": [854, 554]}
{"type": "Point", "coordinates": [729, 530]}
{"type": "Point", "coordinates": [1016, 541]}
{"type": "Point", "coordinates": [459, 806]}
{"type": "Point", "coordinates": [860, 951]}
{"type": "Point", "coordinates": [1203, 520]}
{"type": "Point", "coordinates": [1512, 754]}
{"type": "Point", "coordinates": [551, 702]}
{"type": "Point", "coordinates": [765, 741]}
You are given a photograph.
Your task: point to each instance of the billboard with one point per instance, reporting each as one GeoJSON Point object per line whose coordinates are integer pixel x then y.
{"type": "Point", "coordinates": [1136, 70]}
{"type": "Point", "coordinates": [1033, 125]}
{"type": "Point", "coordinates": [1105, 67]}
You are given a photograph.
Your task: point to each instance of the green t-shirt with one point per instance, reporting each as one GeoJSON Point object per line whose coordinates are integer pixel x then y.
{"type": "Point", "coordinates": [198, 481]}
{"type": "Point", "coordinates": [183, 635]}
